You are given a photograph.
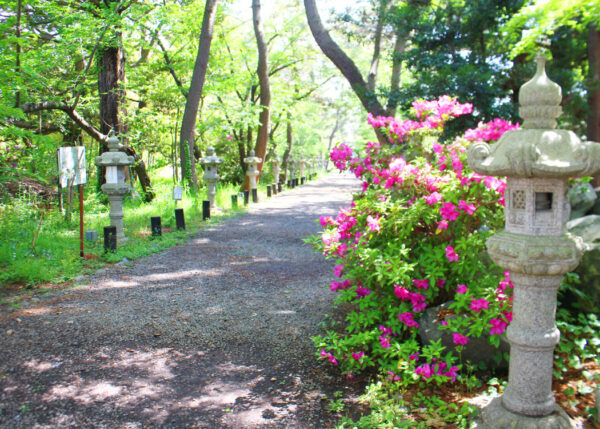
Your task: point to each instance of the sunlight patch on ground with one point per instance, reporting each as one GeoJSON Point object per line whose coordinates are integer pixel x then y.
{"type": "Point", "coordinates": [82, 392]}
{"type": "Point", "coordinates": [40, 366]}
{"type": "Point", "coordinates": [156, 363]}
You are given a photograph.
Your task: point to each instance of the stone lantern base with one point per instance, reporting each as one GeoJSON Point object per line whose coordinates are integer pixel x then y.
{"type": "Point", "coordinates": [495, 416]}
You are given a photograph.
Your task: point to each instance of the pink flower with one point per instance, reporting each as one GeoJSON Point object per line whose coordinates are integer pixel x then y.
{"type": "Point", "coordinates": [407, 319]}
{"type": "Point", "coordinates": [448, 212]}
{"type": "Point", "coordinates": [362, 291]}
{"type": "Point", "coordinates": [384, 342]}
{"type": "Point", "coordinates": [451, 254]}
{"type": "Point", "coordinates": [421, 284]}
{"type": "Point", "coordinates": [329, 357]}
{"type": "Point", "coordinates": [433, 198]}
{"type": "Point", "coordinates": [373, 223]}
{"type": "Point", "coordinates": [414, 356]}
{"type": "Point", "coordinates": [393, 377]}
{"type": "Point", "coordinates": [461, 289]}
{"type": "Point", "coordinates": [498, 326]}
{"type": "Point", "coordinates": [440, 282]}
{"type": "Point", "coordinates": [459, 339]}
{"type": "Point", "coordinates": [357, 356]}
{"type": "Point", "coordinates": [337, 271]}
{"type": "Point", "coordinates": [451, 373]}
{"type": "Point", "coordinates": [437, 148]}
{"type": "Point", "coordinates": [442, 225]}
{"type": "Point", "coordinates": [466, 208]}
{"type": "Point", "coordinates": [325, 220]}
{"type": "Point", "coordinates": [479, 304]}
{"type": "Point", "coordinates": [386, 331]}
{"type": "Point", "coordinates": [401, 292]}
{"type": "Point", "coordinates": [418, 302]}
{"type": "Point", "coordinates": [425, 371]}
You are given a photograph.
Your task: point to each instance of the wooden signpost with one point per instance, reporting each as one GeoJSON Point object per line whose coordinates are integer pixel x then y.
{"type": "Point", "coordinates": [72, 172]}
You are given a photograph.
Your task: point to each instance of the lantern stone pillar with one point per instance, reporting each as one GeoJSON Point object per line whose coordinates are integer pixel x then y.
{"type": "Point", "coordinates": [537, 160]}
{"type": "Point", "coordinates": [211, 176]}
{"type": "Point", "coordinates": [115, 187]}
{"type": "Point", "coordinates": [252, 171]}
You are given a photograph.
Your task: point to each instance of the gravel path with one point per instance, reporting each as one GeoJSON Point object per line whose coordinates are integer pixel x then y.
{"type": "Point", "coordinates": [214, 333]}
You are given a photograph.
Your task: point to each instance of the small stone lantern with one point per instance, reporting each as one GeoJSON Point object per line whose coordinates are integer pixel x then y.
{"type": "Point", "coordinates": [252, 171]}
{"type": "Point", "coordinates": [211, 177]}
{"type": "Point", "coordinates": [292, 165]}
{"type": "Point", "coordinates": [115, 187]}
{"type": "Point", "coordinates": [538, 160]}
{"type": "Point", "coordinates": [301, 167]}
{"type": "Point", "coordinates": [275, 161]}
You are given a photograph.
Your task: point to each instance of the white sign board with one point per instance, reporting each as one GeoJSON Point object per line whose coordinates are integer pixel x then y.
{"type": "Point", "coordinates": [177, 193]}
{"type": "Point", "coordinates": [71, 166]}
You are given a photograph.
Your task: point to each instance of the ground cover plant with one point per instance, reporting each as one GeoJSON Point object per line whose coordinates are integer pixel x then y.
{"type": "Point", "coordinates": [414, 238]}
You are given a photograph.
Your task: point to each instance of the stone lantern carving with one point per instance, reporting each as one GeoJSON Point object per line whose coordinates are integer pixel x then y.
{"type": "Point", "coordinates": [538, 160]}
{"type": "Point", "coordinates": [252, 171]}
{"type": "Point", "coordinates": [115, 187]}
{"type": "Point", "coordinates": [275, 161]}
{"type": "Point", "coordinates": [211, 177]}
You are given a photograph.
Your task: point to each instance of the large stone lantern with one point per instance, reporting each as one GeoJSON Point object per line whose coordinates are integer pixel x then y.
{"type": "Point", "coordinates": [252, 171]}
{"type": "Point", "coordinates": [115, 162]}
{"type": "Point", "coordinates": [275, 165]}
{"type": "Point", "coordinates": [538, 160]}
{"type": "Point", "coordinates": [211, 177]}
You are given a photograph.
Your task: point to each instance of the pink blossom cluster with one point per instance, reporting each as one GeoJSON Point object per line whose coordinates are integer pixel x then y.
{"type": "Point", "coordinates": [341, 154]}
{"type": "Point", "coordinates": [329, 357]}
{"type": "Point", "coordinates": [417, 300]}
{"type": "Point", "coordinates": [490, 131]}
{"type": "Point", "coordinates": [444, 107]}
{"type": "Point", "coordinates": [427, 370]}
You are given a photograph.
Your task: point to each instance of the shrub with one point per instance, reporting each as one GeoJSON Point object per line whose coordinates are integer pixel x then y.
{"type": "Point", "coordinates": [414, 237]}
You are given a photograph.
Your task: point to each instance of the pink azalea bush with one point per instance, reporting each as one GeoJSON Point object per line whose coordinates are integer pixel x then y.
{"type": "Point", "coordinates": [412, 238]}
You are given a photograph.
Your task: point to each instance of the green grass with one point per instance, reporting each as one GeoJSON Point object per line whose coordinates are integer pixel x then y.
{"type": "Point", "coordinates": [55, 256]}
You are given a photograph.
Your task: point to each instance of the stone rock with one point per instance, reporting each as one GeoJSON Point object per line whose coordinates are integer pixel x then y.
{"type": "Point", "coordinates": [588, 228]}
{"type": "Point", "coordinates": [477, 350]}
{"type": "Point", "coordinates": [582, 198]}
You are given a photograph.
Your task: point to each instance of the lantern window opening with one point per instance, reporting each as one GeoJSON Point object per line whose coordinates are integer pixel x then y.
{"type": "Point", "coordinates": [543, 201]}
{"type": "Point", "coordinates": [519, 199]}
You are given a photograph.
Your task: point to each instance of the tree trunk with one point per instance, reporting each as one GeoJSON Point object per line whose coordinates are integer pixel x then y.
{"type": "Point", "coordinates": [593, 122]}
{"type": "Point", "coordinates": [372, 79]}
{"type": "Point", "coordinates": [188, 122]}
{"type": "Point", "coordinates": [346, 66]}
{"type": "Point", "coordinates": [18, 50]}
{"type": "Point", "coordinates": [289, 136]}
{"type": "Point", "coordinates": [262, 137]}
{"type": "Point", "coordinates": [399, 47]}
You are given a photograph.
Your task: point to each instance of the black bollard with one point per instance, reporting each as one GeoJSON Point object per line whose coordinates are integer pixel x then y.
{"type": "Point", "coordinates": [295, 182]}
{"type": "Point", "coordinates": [234, 202]}
{"type": "Point", "coordinates": [155, 226]}
{"type": "Point", "coordinates": [110, 238]}
{"type": "Point", "coordinates": [274, 188]}
{"type": "Point", "coordinates": [255, 195]}
{"type": "Point", "coordinates": [268, 190]}
{"type": "Point", "coordinates": [179, 219]}
{"type": "Point", "coordinates": [246, 197]}
{"type": "Point", "coordinates": [205, 209]}
{"type": "Point", "coordinates": [303, 181]}
{"type": "Point", "coordinates": [289, 184]}
{"type": "Point", "coordinates": [279, 187]}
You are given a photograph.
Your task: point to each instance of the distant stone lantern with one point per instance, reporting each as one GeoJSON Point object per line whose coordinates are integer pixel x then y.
{"type": "Point", "coordinates": [538, 160]}
{"type": "Point", "coordinates": [115, 162]}
{"type": "Point", "coordinates": [275, 162]}
{"type": "Point", "coordinates": [301, 167]}
{"type": "Point", "coordinates": [292, 167]}
{"type": "Point", "coordinates": [252, 172]}
{"type": "Point", "coordinates": [211, 177]}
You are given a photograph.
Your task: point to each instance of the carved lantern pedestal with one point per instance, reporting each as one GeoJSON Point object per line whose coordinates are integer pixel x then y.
{"type": "Point", "coordinates": [538, 160]}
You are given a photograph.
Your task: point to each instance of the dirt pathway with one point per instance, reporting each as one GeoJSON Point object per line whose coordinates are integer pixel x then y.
{"type": "Point", "coordinates": [214, 333]}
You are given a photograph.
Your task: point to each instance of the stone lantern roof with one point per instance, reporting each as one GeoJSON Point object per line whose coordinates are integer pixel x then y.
{"type": "Point", "coordinates": [114, 156]}
{"type": "Point", "coordinates": [211, 159]}
{"type": "Point", "coordinates": [538, 149]}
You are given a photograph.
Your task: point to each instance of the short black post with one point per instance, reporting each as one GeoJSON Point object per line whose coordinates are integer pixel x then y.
{"type": "Point", "coordinates": [279, 187]}
{"type": "Point", "coordinates": [303, 180]}
{"type": "Point", "coordinates": [246, 197]}
{"type": "Point", "coordinates": [289, 183]}
{"type": "Point", "coordinates": [268, 190]}
{"type": "Point", "coordinates": [155, 226]}
{"type": "Point", "coordinates": [274, 188]}
{"type": "Point", "coordinates": [295, 182]}
{"type": "Point", "coordinates": [205, 209]}
{"type": "Point", "coordinates": [179, 219]}
{"type": "Point", "coordinates": [234, 202]}
{"type": "Point", "coordinates": [110, 238]}
{"type": "Point", "coordinates": [255, 195]}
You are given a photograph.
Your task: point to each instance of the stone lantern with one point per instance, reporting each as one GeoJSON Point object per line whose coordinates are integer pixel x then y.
{"type": "Point", "coordinates": [211, 177]}
{"type": "Point", "coordinates": [115, 162]}
{"type": "Point", "coordinates": [292, 164]}
{"type": "Point", "coordinates": [252, 172]}
{"type": "Point", "coordinates": [538, 160]}
{"type": "Point", "coordinates": [275, 161]}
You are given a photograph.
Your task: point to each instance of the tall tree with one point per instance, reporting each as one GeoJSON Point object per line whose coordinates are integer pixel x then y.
{"type": "Point", "coordinates": [188, 123]}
